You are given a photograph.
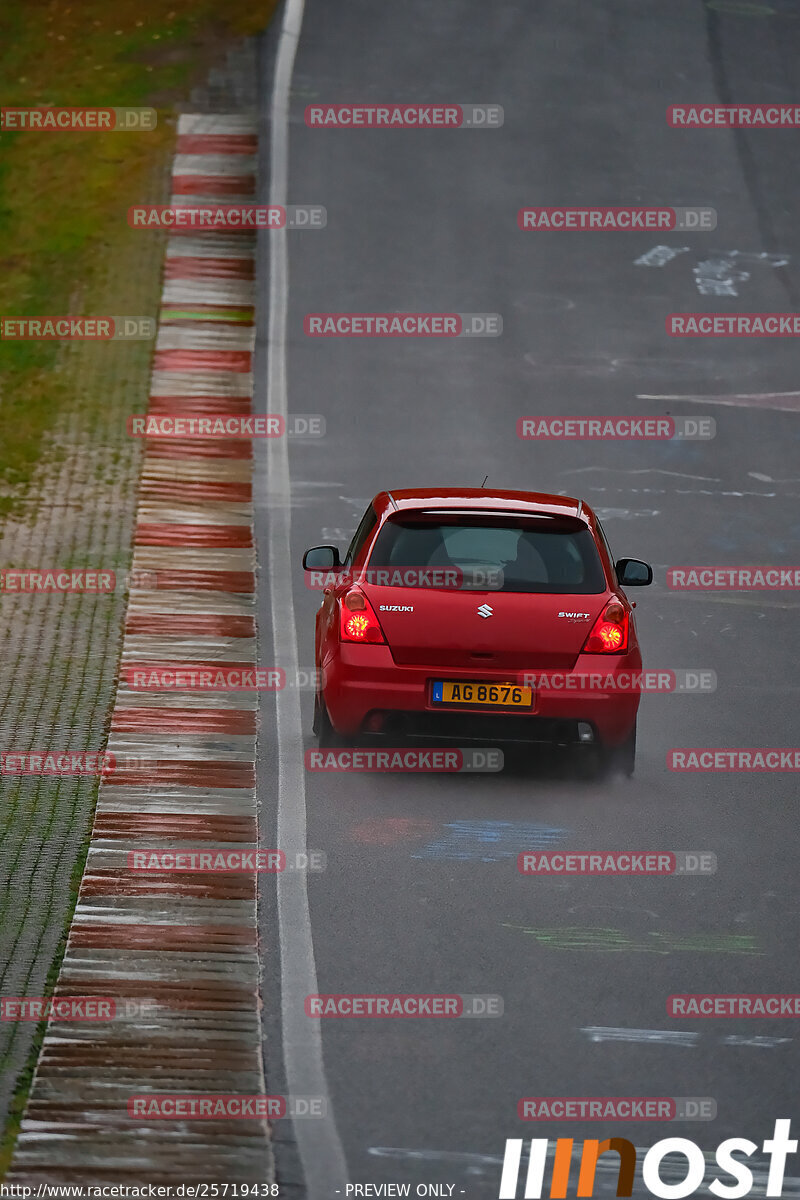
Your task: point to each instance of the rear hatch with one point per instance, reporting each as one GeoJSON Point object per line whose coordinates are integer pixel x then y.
{"type": "Point", "coordinates": [447, 629]}
{"type": "Point", "coordinates": [552, 590]}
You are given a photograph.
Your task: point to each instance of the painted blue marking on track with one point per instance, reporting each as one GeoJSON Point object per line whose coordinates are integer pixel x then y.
{"type": "Point", "coordinates": [490, 841]}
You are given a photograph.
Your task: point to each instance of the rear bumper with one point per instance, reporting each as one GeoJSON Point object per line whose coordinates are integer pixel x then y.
{"type": "Point", "coordinates": [361, 681]}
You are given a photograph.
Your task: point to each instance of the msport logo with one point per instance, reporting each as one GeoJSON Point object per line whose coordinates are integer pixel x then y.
{"type": "Point", "coordinates": [682, 1179]}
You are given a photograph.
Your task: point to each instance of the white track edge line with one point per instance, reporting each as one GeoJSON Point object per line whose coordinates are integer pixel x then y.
{"type": "Point", "coordinates": [319, 1146]}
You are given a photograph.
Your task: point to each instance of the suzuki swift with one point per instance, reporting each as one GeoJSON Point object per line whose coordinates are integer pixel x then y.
{"type": "Point", "coordinates": [475, 615]}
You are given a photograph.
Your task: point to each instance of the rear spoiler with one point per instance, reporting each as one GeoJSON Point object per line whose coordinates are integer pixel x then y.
{"type": "Point", "coordinates": [480, 512]}
{"type": "Point", "coordinates": [578, 518]}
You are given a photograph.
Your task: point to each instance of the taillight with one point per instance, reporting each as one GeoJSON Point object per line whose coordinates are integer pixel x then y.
{"type": "Point", "coordinates": [610, 632]}
{"type": "Point", "coordinates": [358, 622]}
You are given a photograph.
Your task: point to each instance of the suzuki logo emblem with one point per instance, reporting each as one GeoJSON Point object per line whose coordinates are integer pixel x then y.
{"type": "Point", "coordinates": [485, 611]}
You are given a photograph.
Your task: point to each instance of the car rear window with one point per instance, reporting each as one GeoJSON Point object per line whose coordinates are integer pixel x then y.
{"type": "Point", "coordinates": [534, 555]}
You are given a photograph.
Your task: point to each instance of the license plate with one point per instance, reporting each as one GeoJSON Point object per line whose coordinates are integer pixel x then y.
{"type": "Point", "coordinates": [497, 695]}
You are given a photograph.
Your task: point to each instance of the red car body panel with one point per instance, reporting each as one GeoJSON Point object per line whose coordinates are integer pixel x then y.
{"type": "Point", "coordinates": [444, 637]}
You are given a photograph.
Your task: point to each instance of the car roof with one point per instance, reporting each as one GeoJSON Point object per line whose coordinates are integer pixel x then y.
{"type": "Point", "coordinates": [484, 499]}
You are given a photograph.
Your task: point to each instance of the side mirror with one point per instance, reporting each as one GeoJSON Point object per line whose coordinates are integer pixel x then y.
{"type": "Point", "coordinates": [322, 558]}
{"type": "Point", "coordinates": [632, 572]}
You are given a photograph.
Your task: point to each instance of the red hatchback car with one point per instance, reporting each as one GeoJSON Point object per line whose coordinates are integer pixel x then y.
{"type": "Point", "coordinates": [475, 615]}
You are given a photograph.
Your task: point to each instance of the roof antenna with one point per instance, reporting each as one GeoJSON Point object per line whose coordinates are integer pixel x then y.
{"type": "Point", "coordinates": [484, 481]}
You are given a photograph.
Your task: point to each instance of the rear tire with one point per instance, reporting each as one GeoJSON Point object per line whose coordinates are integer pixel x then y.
{"type": "Point", "coordinates": [327, 737]}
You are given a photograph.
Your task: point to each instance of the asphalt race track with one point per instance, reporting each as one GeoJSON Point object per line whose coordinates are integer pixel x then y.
{"type": "Point", "coordinates": [421, 891]}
